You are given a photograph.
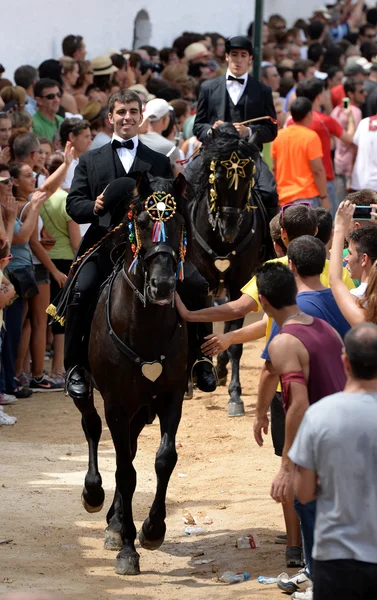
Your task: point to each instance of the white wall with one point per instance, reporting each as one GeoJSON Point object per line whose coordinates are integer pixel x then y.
{"type": "Point", "coordinates": [36, 29]}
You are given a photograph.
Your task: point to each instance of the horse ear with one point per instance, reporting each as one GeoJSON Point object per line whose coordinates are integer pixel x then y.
{"type": "Point", "coordinates": [180, 185]}
{"type": "Point", "coordinates": [143, 185]}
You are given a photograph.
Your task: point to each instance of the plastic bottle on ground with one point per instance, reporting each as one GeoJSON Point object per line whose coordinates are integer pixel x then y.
{"type": "Point", "coordinates": [195, 530]}
{"type": "Point", "coordinates": [269, 580]}
{"type": "Point", "coordinates": [230, 577]}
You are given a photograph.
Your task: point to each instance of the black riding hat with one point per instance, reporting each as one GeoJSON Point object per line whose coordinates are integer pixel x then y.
{"type": "Point", "coordinates": [239, 41]}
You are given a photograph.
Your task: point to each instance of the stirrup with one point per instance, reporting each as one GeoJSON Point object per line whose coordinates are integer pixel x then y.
{"type": "Point", "coordinates": [68, 375]}
{"type": "Point", "coordinates": [204, 359]}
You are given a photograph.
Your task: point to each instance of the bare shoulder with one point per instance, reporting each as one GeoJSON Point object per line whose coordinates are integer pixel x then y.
{"type": "Point", "coordinates": [285, 351]}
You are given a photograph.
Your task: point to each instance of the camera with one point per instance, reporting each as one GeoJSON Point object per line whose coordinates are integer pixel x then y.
{"type": "Point", "coordinates": [144, 65]}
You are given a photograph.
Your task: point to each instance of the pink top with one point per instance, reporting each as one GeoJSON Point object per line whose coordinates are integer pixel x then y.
{"type": "Point", "coordinates": [344, 152]}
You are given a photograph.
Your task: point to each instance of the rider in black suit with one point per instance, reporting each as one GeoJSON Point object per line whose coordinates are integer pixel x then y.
{"type": "Point", "coordinates": [236, 97]}
{"type": "Point", "coordinates": [124, 155]}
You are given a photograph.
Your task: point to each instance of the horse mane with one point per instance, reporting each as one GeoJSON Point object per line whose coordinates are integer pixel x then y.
{"type": "Point", "coordinates": [219, 145]}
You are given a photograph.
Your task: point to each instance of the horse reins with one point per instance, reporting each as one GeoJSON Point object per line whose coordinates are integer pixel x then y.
{"type": "Point", "coordinates": [135, 358]}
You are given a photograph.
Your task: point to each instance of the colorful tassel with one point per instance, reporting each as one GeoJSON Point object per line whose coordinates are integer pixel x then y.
{"type": "Point", "coordinates": [158, 234]}
{"type": "Point", "coordinates": [180, 272]}
{"type": "Point", "coordinates": [133, 266]}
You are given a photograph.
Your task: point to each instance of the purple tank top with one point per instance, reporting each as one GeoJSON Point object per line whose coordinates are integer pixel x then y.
{"type": "Point", "coordinates": [326, 372]}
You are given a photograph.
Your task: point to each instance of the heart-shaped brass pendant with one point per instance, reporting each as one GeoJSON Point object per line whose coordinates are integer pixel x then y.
{"type": "Point", "coordinates": [151, 371]}
{"type": "Point", "coordinates": [222, 264]}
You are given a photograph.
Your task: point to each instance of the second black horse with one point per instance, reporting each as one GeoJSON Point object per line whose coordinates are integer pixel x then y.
{"type": "Point", "coordinates": [230, 228]}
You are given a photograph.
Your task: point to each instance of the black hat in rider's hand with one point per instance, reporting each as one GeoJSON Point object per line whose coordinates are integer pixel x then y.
{"type": "Point", "coordinates": [116, 199]}
{"type": "Point", "coordinates": [239, 42]}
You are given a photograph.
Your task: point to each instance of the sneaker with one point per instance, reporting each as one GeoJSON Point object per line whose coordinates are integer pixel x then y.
{"type": "Point", "coordinates": [307, 595]}
{"type": "Point", "coordinates": [22, 392]}
{"type": "Point", "coordinates": [58, 378]}
{"type": "Point", "coordinates": [7, 399]}
{"type": "Point", "coordinates": [281, 539]}
{"type": "Point", "coordinates": [23, 380]}
{"type": "Point", "coordinates": [298, 582]}
{"type": "Point", "coordinates": [45, 384]}
{"type": "Point", "coordinates": [293, 557]}
{"type": "Point", "coordinates": [7, 419]}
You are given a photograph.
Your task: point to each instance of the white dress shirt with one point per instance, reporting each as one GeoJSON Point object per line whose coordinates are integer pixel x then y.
{"type": "Point", "coordinates": [235, 89]}
{"type": "Point", "coordinates": [126, 155]}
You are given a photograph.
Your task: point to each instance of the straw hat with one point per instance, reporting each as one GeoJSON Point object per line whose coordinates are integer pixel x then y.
{"type": "Point", "coordinates": [102, 65]}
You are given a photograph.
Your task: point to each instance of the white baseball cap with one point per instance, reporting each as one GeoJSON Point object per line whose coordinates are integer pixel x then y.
{"type": "Point", "coordinates": [156, 109]}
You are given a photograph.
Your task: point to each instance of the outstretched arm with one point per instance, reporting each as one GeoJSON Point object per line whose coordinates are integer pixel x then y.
{"type": "Point", "coordinates": [346, 302]}
{"type": "Point", "coordinates": [225, 312]}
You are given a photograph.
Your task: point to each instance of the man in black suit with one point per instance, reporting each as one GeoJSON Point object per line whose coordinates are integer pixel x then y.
{"type": "Point", "coordinates": [236, 97]}
{"type": "Point", "coordinates": [96, 169]}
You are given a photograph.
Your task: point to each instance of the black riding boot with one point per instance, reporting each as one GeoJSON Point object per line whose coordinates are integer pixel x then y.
{"type": "Point", "coordinates": [76, 350]}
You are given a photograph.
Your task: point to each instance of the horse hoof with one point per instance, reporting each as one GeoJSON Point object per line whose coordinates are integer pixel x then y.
{"type": "Point", "coordinates": [236, 409]}
{"type": "Point", "coordinates": [113, 540]}
{"type": "Point", "coordinates": [149, 544]}
{"type": "Point", "coordinates": [88, 508]}
{"type": "Point", "coordinates": [128, 565]}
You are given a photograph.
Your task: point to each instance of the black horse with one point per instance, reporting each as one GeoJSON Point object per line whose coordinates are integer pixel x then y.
{"type": "Point", "coordinates": [137, 355]}
{"type": "Point", "coordinates": [230, 228]}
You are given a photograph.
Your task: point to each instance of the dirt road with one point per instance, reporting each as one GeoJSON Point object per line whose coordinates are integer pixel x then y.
{"type": "Point", "coordinates": [221, 474]}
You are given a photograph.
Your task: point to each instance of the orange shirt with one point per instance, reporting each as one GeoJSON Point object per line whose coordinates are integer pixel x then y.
{"type": "Point", "coordinates": [292, 150]}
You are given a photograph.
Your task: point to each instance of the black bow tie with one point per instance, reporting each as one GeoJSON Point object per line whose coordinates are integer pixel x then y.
{"type": "Point", "coordinates": [239, 80]}
{"type": "Point", "coordinates": [126, 144]}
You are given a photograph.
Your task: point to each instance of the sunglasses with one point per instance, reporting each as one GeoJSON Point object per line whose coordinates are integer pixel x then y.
{"type": "Point", "coordinates": [284, 208]}
{"type": "Point", "coordinates": [52, 96]}
{"type": "Point", "coordinates": [6, 181]}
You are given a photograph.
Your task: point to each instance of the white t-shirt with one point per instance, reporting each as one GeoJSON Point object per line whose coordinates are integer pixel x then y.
{"type": "Point", "coordinates": [66, 185]}
{"type": "Point", "coordinates": [337, 438]}
{"type": "Point", "coordinates": [364, 174]}
{"type": "Point", "coordinates": [359, 292]}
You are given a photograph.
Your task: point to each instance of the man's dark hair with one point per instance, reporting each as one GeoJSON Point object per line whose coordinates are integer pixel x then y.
{"type": "Point", "coordinates": [315, 30]}
{"type": "Point", "coordinates": [277, 284]}
{"type": "Point", "coordinates": [71, 44]}
{"type": "Point", "coordinates": [72, 125]}
{"type": "Point", "coordinates": [4, 167]}
{"type": "Point", "coordinates": [324, 224]}
{"type": "Point", "coordinates": [300, 108]}
{"type": "Point", "coordinates": [24, 144]}
{"type": "Point", "coordinates": [363, 28]}
{"type": "Point", "coordinates": [368, 50]}
{"type": "Point", "coordinates": [118, 61]}
{"type": "Point", "coordinates": [275, 232]}
{"type": "Point", "coordinates": [308, 255]}
{"type": "Point", "coordinates": [310, 88]}
{"type": "Point", "coordinates": [298, 220]}
{"type": "Point", "coordinates": [43, 84]}
{"type": "Point", "coordinates": [315, 52]}
{"type": "Point", "coordinates": [125, 97]}
{"type": "Point", "coordinates": [165, 54]}
{"type": "Point", "coordinates": [25, 76]}
{"type": "Point", "coordinates": [364, 197]}
{"type": "Point", "coordinates": [333, 71]}
{"type": "Point", "coordinates": [365, 241]}
{"type": "Point", "coordinates": [361, 349]}
{"type": "Point", "coordinates": [301, 66]}
{"type": "Point", "coordinates": [351, 84]}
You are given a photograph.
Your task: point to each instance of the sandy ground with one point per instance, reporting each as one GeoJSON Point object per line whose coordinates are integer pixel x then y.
{"type": "Point", "coordinates": [221, 474]}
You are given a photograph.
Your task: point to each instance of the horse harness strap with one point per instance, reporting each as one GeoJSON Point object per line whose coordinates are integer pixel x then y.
{"type": "Point", "coordinates": [216, 258]}
{"type": "Point", "coordinates": [150, 369]}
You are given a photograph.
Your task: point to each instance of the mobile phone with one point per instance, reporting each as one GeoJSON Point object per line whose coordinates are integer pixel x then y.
{"type": "Point", "coordinates": [346, 102]}
{"type": "Point", "coordinates": [362, 212]}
